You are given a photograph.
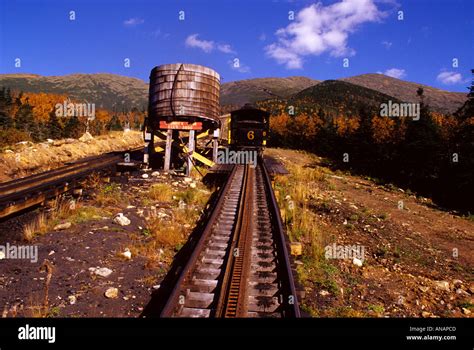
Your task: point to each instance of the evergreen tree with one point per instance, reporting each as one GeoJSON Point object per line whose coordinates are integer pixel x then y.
{"type": "Point", "coordinates": [114, 124]}
{"type": "Point", "coordinates": [24, 120]}
{"type": "Point", "coordinates": [6, 121]}
{"type": "Point", "coordinates": [467, 110]}
{"type": "Point", "coordinates": [73, 128]}
{"type": "Point", "coordinates": [54, 127]}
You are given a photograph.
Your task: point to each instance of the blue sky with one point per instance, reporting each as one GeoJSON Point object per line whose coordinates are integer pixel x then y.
{"type": "Point", "coordinates": [263, 35]}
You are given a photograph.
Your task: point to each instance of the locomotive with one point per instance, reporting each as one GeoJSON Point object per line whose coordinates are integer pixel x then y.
{"type": "Point", "coordinates": [248, 128]}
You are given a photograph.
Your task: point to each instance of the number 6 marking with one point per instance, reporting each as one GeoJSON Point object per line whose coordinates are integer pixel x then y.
{"type": "Point", "coordinates": [250, 135]}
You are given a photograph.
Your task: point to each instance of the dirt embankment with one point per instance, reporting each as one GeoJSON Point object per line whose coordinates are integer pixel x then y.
{"type": "Point", "coordinates": [418, 259]}
{"type": "Point", "coordinates": [27, 158]}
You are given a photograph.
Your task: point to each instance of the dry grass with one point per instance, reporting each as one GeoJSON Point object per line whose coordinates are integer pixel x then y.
{"type": "Point", "coordinates": [160, 192]}
{"type": "Point", "coordinates": [110, 195]}
{"type": "Point", "coordinates": [44, 222]}
{"type": "Point", "coordinates": [61, 211]}
{"type": "Point", "coordinates": [36, 227]}
{"type": "Point", "coordinates": [164, 236]}
{"type": "Point", "coordinates": [294, 193]}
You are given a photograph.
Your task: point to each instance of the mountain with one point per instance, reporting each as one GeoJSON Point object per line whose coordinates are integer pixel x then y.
{"type": "Point", "coordinates": [439, 100]}
{"type": "Point", "coordinates": [252, 90]}
{"type": "Point", "coordinates": [107, 91]}
{"type": "Point", "coordinates": [335, 96]}
{"type": "Point", "coordinates": [114, 91]}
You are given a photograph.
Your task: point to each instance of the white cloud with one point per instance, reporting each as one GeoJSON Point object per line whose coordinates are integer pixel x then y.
{"type": "Point", "coordinates": [193, 41]}
{"type": "Point", "coordinates": [238, 66]}
{"type": "Point", "coordinates": [207, 45]}
{"type": "Point", "coordinates": [449, 78]}
{"type": "Point", "coordinates": [387, 44]}
{"type": "Point", "coordinates": [225, 48]}
{"type": "Point", "coordinates": [131, 22]}
{"type": "Point", "coordinates": [394, 73]}
{"type": "Point", "coordinates": [317, 29]}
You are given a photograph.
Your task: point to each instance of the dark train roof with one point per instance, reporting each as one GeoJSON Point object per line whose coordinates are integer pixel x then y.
{"type": "Point", "coordinates": [249, 109]}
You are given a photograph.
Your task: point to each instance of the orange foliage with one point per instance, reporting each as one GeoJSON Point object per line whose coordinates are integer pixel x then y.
{"type": "Point", "coordinates": [279, 123]}
{"type": "Point", "coordinates": [42, 103]}
{"type": "Point", "coordinates": [383, 129]}
{"type": "Point", "coordinates": [346, 125]}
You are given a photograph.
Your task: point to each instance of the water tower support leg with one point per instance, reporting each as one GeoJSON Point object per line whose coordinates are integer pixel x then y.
{"type": "Point", "coordinates": [169, 140]}
{"type": "Point", "coordinates": [191, 151]}
{"type": "Point", "coordinates": [215, 145]}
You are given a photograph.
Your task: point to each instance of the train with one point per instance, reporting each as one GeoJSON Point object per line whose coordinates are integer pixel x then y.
{"type": "Point", "coordinates": [248, 128]}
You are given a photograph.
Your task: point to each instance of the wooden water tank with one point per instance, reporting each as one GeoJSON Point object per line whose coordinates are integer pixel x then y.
{"type": "Point", "coordinates": [184, 92]}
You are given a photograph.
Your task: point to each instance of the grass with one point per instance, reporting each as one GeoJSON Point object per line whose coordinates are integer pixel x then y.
{"type": "Point", "coordinates": [378, 309]}
{"type": "Point", "coordinates": [110, 195]}
{"type": "Point", "coordinates": [193, 196]}
{"type": "Point", "coordinates": [162, 237]}
{"type": "Point", "coordinates": [44, 222]}
{"type": "Point", "coordinates": [61, 211]}
{"type": "Point", "coordinates": [160, 193]}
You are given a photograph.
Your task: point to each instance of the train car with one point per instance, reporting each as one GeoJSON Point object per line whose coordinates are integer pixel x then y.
{"type": "Point", "coordinates": [248, 128]}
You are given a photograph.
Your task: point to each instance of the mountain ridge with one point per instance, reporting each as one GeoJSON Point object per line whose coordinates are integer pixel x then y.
{"type": "Point", "coordinates": [116, 92]}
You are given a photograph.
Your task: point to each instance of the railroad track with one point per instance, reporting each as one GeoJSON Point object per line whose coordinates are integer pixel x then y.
{"type": "Point", "coordinates": [24, 193]}
{"type": "Point", "coordinates": [240, 266]}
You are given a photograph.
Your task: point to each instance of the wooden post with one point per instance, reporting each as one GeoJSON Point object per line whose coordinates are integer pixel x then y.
{"type": "Point", "coordinates": [146, 150]}
{"type": "Point", "coordinates": [169, 140]}
{"type": "Point", "coordinates": [215, 145]}
{"type": "Point", "coordinates": [190, 154]}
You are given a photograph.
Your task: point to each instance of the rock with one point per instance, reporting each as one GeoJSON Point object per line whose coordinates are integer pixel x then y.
{"type": "Point", "coordinates": [162, 215]}
{"type": "Point", "coordinates": [288, 197]}
{"type": "Point", "coordinates": [192, 185]}
{"type": "Point", "coordinates": [187, 179]}
{"type": "Point", "coordinates": [49, 140]}
{"type": "Point", "coordinates": [425, 314]}
{"type": "Point", "coordinates": [461, 292]}
{"type": "Point", "coordinates": [457, 283]}
{"type": "Point", "coordinates": [145, 176]}
{"type": "Point", "coordinates": [157, 286]}
{"type": "Point", "coordinates": [51, 253]}
{"type": "Point", "coordinates": [466, 311]}
{"type": "Point", "coordinates": [181, 204]}
{"type": "Point", "coordinates": [424, 289]}
{"type": "Point", "coordinates": [323, 293]}
{"type": "Point", "coordinates": [63, 226]}
{"type": "Point", "coordinates": [175, 183]}
{"type": "Point", "coordinates": [9, 151]}
{"type": "Point", "coordinates": [2, 255]}
{"type": "Point", "coordinates": [122, 220]}
{"type": "Point", "coordinates": [131, 207]}
{"type": "Point", "coordinates": [127, 254]}
{"type": "Point", "coordinates": [357, 262]}
{"type": "Point", "coordinates": [471, 288]}
{"type": "Point", "coordinates": [442, 285]}
{"type": "Point", "coordinates": [111, 293]}
{"type": "Point", "coordinates": [296, 249]}
{"type": "Point", "coordinates": [101, 271]}
{"type": "Point", "coordinates": [155, 174]}
{"type": "Point", "coordinates": [72, 299]}
{"type": "Point", "coordinates": [86, 137]}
